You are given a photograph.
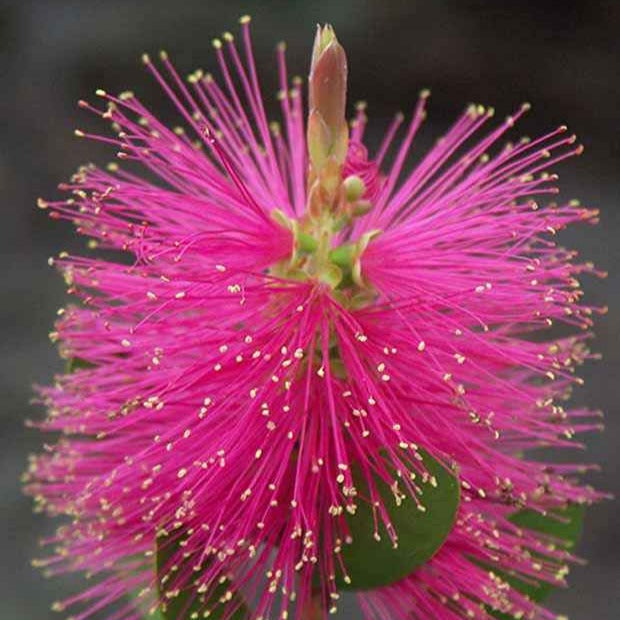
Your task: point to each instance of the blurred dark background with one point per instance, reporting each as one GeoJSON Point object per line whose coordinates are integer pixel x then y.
{"type": "Point", "coordinates": [563, 57]}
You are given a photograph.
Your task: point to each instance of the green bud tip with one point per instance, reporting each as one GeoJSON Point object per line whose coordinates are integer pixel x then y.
{"type": "Point", "coordinates": [354, 188]}
{"type": "Point", "coordinates": [327, 93]}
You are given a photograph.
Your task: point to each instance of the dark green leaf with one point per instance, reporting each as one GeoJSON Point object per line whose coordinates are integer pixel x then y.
{"type": "Point", "coordinates": [157, 615]}
{"type": "Point", "coordinates": [568, 530]}
{"type": "Point", "coordinates": [189, 601]}
{"type": "Point", "coordinates": [77, 363]}
{"type": "Point", "coordinates": [371, 563]}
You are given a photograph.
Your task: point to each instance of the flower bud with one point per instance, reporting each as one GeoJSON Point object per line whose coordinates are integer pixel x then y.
{"type": "Point", "coordinates": [354, 187]}
{"type": "Point", "coordinates": [327, 126]}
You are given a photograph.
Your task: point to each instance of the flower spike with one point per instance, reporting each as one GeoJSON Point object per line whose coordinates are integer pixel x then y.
{"type": "Point", "coordinates": [312, 371]}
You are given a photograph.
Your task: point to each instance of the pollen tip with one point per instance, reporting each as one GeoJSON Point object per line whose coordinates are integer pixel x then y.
{"type": "Point", "coordinates": [146, 59]}
{"type": "Point", "coordinates": [281, 46]}
{"type": "Point", "coordinates": [163, 54]}
{"type": "Point", "coordinates": [228, 37]}
{"type": "Point", "coordinates": [245, 19]}
{"type": "Point", "coordinates": [100, 92]}
{"type": "Point", "coordinates": [217, 44]}
{"type": "Point", "coordinates": [425, 93]}
{"type": "Point", "coordinates": [79, 133]}
{"type": "Point", "coordinates": [525, 106]}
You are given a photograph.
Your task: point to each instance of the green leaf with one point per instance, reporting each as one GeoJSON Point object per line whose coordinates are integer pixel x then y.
{"type": "Point", "coordinates": [77, 363]}
{"type": "Point", "coordinates": [156, 615]}
{"type": "Point", "coordinates": [567, 529]}
{"type": "Point", "coordinates": [189, 601]}
{"type": "Point", "coordinates": [371, 563]}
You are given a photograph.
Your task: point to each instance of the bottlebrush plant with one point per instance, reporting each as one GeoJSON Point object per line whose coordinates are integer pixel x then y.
{"type": "Point", "coordinates": [296, 369]}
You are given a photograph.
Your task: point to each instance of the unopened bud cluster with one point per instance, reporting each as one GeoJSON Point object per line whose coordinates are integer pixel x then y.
{"type": "Point", "coordinates": [333, 201]}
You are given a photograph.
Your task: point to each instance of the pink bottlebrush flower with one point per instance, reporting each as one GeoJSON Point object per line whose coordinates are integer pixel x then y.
{"type": "Point", "coordinates": [293, 329]}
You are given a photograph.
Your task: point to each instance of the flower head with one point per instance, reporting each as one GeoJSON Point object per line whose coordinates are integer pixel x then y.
{"type": "Point", "coordinates": [277, 338]}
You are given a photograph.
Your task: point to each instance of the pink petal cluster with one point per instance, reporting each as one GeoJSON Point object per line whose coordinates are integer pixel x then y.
{"type": "Point", "coordinates": [209, 415]}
